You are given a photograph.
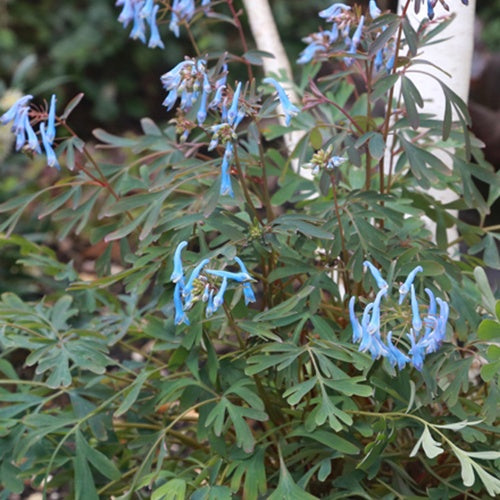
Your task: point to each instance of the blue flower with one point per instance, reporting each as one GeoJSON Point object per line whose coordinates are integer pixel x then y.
{"type": "Point", "coordinates": [416, 321]}
{"type": "Point", "coordinates": [49, 152]}
{"type": "Point", "coordinates": [13, 112]}
{"type": "Point", "coordinates": [395, 356]}
{"type": "Point", "coordinates": [232, 113]}
{"type": "Point", "coordinates": [180, 314]}
{"type": "Point", "coordinates": [139, 27]}
{"type": "Point", "coordinates": [178, 272]}
{"type": "Point", "coordinates": [333, 11]}
{"type": "Point", "coordinates": [405, 287]}
{"type": "Point", "coordinates": [309, 53]}
{"type": "Point", "coordinates": [154, 39]}
{"type": "Point", "coordinates": [51, 129]}
{"type": "Point", "coordinates": [381, 283]}
{"type": "Point", "coordinates": [374, 10]}
{"type": "Point", "coordinates": [225, 186]}
{"type": "Point", "coordinates": [356, 327]}
{"type": "Point", "coordinates": [219, 297]}
{"type": "Point", "coordinates": [417, 352]}
{"type": "Point", "coordinates": [182, 11]}
{"type": "Point", "coordinates": [374, 325]}
{"type": "Point", "coordinates": [289, 109]}
{"type": "Point", "coordinates": [248, 293]}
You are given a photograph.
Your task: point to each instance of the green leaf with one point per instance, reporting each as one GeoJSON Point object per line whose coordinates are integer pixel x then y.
{"type": "Point", "coordinates": [113, 140]}
{"type": "Point", "coordinates": [330, 439]}
{"type": "Point", "coordinates": [100, 461]}
{"type": "Point", "coordinates": [284, 307]}
{"type": "Point", "coordinates": [132, 394]}
{"type": "Point", "coordinates": [488, 329]}
{"type": "Point", "coordinates": [376, 146]}
{"type": "Point", "coordinates": [11, 479]}
{"type": "Point", "coordinates": [287, 488]}
{"type": "Point", "coordinates": [431, 447]}
{"type": "Point", "coordinates": [294, 394]}
{"type": "Point", "coordinates": [490, 371]}
{"type": "Point", "coordinates": [72, 104]}
{"type": "Point", "coordinates": [482, 282]}
{"type": "Point", "coordinates": [175, 489]}
{"type": "Point", "coordinates": [84, 482]}
{"type": "Point", "coordinates": [256, 57]}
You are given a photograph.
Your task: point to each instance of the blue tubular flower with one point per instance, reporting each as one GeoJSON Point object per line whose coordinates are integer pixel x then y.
{"type": "Point", "coordinates": [182, 11]}
{"type": "Point", "coordinates": [356, 38]}
{"type": "Point", "coordinates": [333, 11]}
{"type": "Point", "coordinates": [219, 297]}
{"type": "Point", "coordinates": [174, 25]}
{"type": "Point", "coordinates": [225, 186]}
{"type": "Point", "coordinates": [202, 112]}
{"type": "Point", "coordinates": [309, 53]}
{"type": "Point", "coordinates": [405, 287]}
{"type": "Point", "coordinates": [356, 327]}
{"type": "Point", "coordinates": [178, 272]}
{"type": "Point", "coordinates": [127, 13]}
{"type": "Point", "coordinates": [49, 152]}
{"type": "Point", "coordinates": [289, 109]}
{"type": "Point", "coordinates": [374, 325]}
{"type": "Point", "coordinates": [248, 293]}
{"type": "Point", "coordinates": [206, 6]}
{"type": "Point", "coordinates": [154, 39]}
{"type": "Point", "coordinates": [247, 287]}
{"type": "Point", "coordinates": [365, 335]}
{"type": "Point", "coordinates": [51, 128]}
{"type": "Point", "coordinates": [232, 113]}
{"type": "Point", "coordinates": [431, 312]}
{"type": "Point", "coordinates": [379, 60]}
{"type": "Point", "coordinates": [230, 275]}
{"type": "Point", "coordinates": [138, 28]}
{"type": "Point", "coordinates": [381, 283]}
{"type": "Point", "coordinates": [180, 314]}
{"type": "Point", "coordinates": [147, 9]}
{"type": "Point", "coordinates": [395, 356]}
{"type": "Point", "coordinates": [33, 143]}
{"type": "Point", "coordinates": [15, 109]}
{"type": "Point", "coordinates": [416, 321]}
{"type": "Point", "coordinates": [430, 10]}
{"type": "Point", "coordinates": [417, 352]}
{"type": "Point", "coordinates": [215, 102]}
{"type": "Point", "coordinates": [374, 10]}
{"type": "Point", "coordinates": [210, 309]}
{"type": "Point", "coordinates": [390, 63]}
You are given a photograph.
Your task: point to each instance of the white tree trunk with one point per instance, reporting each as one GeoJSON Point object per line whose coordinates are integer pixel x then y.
{"type": "Point", "coordinates": [454, 56]}
{"type": "Point", "coordinates": [267, 38]}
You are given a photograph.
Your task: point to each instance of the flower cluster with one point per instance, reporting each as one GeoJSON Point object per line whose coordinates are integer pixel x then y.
{"type": "Point", "coordinates": [189, 80]}
{"type": "Point", "coordinates": [431, 4]}
{"type": "Point", "coordinates": [144, 12]}
{"type": "Point", "coordinates": [19, 115]}
{"type": "Point", "coordinates": [339, 38]}
{"type": "Point", "coordinates": [324, 159]}
{"type": "Point", "coordinates": [140, 13]}
{"type": "Point", "coordinates": [426, 333]}
{"type": "Point", "coordinates": [202, 285]}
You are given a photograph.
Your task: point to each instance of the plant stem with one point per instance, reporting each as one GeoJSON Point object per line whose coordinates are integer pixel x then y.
{"type": "Point", "coordinates": [239, 27]}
